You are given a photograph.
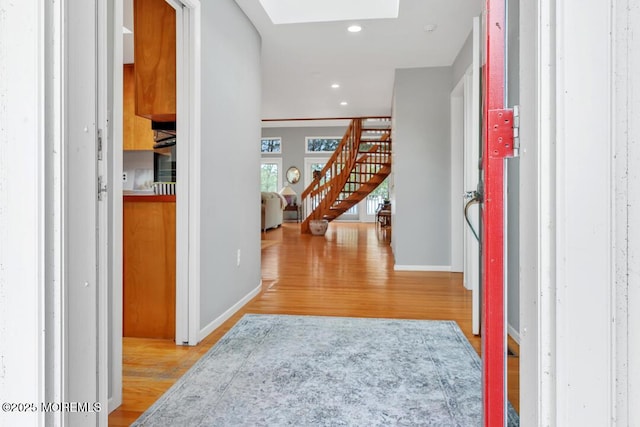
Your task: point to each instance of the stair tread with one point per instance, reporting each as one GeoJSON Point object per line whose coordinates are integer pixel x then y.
{"type": "Point", "coordinates": [374, 150]}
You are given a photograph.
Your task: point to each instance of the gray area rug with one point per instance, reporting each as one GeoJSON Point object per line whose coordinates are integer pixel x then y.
{"type": "Point", "coordinates": [272, 370]}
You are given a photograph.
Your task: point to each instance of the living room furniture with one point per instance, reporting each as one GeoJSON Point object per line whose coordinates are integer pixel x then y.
{"type": "Point", "coordinates": [383, 214]}
{"type": "Point", "coordinates": [295, 208]}
{"type": "Point", "coordinates": [272, 206]}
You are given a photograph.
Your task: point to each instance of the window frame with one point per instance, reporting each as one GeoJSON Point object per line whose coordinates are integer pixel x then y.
{"type": "Point", "coordinates": [306, 143]}
{"type": "Point", "coordinates": [271, 153]}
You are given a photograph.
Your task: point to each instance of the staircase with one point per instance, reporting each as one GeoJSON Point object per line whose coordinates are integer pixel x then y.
{"type": "Point", "coordinates": [359, 164]}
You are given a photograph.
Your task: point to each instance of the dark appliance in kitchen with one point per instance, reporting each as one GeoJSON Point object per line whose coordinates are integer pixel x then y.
{"type": "Point", "coordinates": [164, 151]}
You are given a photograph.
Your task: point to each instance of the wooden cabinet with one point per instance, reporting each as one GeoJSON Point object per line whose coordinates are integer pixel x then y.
{"type": "Point", "coordinates": [136, 131]}
{"type": "Point", "coordinates": [154, 43]}
{"type": "Point", "coordinates": [149, 263]}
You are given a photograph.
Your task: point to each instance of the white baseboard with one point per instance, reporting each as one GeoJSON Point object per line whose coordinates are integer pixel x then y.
{"type": "Point", "coordinates": [513, 334]}
{"type": "Point", "coordinates": [227, 314]}
{"type": "Point", "coordinates": [441, 268]}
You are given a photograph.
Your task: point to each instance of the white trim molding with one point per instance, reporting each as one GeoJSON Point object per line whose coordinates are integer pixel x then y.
{"type": "Point", "coordinates": [584, 158]}
{"type": "Point", "coordinates": [434, 268]}
{"type": "Point", "coordinates": [513, 333]}
{"type": "Point", "coordinates": [627, 211]}
{"type": "Point", "coordinates": [188, 82]}
{"type": "Point", "coordinates": [568, 331]}
{"type": "Point", "coordinates": [215, 323]}
{"type": "Point", "coordinates": [115, 162]}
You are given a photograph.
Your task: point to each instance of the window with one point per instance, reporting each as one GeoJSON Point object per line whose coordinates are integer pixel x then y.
{"type": "Point", "coordinates": [271, 174]}
{"type": "Point", "coordinates": [271, 145]}
{"type": "Point", "coordinates": [322, 144]}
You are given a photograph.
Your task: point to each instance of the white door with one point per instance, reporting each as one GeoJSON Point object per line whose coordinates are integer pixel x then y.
{"type": "Point", "coordinates": [84, 335]}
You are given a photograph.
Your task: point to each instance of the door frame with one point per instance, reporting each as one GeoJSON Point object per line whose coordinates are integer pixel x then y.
{"type": "Point", "coordinates": [472, 156]}
{"type": "Point", "coordinates": [110, 261]}
{"type": "Point", "coordinates": [308, 177]}
{"type": "Point", "coordinates": [465, 154]}
{"type": "Point", "coordinates": [457, 102]}
{"type": "Point", "coordinates": [276, 161]}
{"type": "Point", "coordinates": [188, 83]}
{"type": "Point", "coordinates": [188, 88]}
{"type": "Point", "coordinates": [362, 211]}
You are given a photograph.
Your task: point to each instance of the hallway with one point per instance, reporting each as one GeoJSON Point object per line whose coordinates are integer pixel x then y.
{"type": "Point", "coordinates": [349, 272]}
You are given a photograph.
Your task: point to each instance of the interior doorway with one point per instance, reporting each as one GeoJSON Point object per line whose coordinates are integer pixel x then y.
{"type": "Point", "coordinates": [187, 186]}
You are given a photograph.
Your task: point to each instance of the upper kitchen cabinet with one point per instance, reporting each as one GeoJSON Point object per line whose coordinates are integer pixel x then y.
{"type": "Point", "coordinates": [154, 41]}
{"type": "Point", "coordinates": [136, 131]}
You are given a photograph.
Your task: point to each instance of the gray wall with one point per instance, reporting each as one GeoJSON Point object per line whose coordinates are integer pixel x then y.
{"type": "Point", "coordinates": [230, 210]}
{"type": "Point", "coordinates": [293, 151]}
{"type": "Point", "coordinates": [463, 60]}
{"type": "Point", "coordinates": [293, 146]}
{"type": "Point", "coordinates": [421, 167]}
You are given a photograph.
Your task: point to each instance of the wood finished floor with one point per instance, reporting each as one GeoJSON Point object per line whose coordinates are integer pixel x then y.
{"type": "Point", "coordinates": [349, 272]}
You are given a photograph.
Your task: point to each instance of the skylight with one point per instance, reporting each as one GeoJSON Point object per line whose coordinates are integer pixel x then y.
{"type": "Point", "coordinates": [304, 11]}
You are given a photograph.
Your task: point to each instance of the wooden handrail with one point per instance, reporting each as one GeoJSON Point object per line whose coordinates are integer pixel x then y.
{"type": "Point", "coordinates": [329, 163]}
{"type": "Point", "coordinates": [331, 191]}
{"type": "Point", "coordinates": [304, 119]}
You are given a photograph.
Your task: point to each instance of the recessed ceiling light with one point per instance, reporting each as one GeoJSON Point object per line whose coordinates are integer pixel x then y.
{"type": "Point", "coordinates": [343, 103]}
{"type": "Point", "coordinates": [335, 85]}
{"type": "Point", "coordinates": [430, 28]}
{"type": "Point", "coordinates": [354, 29]}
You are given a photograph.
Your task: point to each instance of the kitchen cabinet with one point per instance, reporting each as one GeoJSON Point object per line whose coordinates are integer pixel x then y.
{"type": "Point", "coordinates": [149, 264]}
{"type": "Point", "coordinates": [136, 131]}
{"type": "Point", "coordinates": [154, 43]}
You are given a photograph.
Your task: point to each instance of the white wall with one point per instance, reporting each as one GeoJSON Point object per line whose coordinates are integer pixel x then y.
{"type": "Point", "coordinates": [22, 265]}
{"type": "Point", "coordinates": [421, 169]}
{"type": "Point", "coordinates": [230, 215]}
{"type": "Point", "coordinates": [463, 59]}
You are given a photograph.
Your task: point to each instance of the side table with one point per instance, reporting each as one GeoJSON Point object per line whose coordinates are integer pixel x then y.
{"type": "Point", "coordinates": [295, 208]}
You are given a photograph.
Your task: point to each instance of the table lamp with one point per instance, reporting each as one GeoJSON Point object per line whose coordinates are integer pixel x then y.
{"type": "Point", "coordinates": [289, 195]}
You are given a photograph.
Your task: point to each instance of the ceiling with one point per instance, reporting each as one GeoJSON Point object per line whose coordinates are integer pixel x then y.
{"type": "Point", "coordinates": [301, 61]}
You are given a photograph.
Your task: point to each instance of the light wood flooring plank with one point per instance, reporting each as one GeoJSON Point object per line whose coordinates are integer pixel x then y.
{"type": "Point", "coordinates": [348, 272]}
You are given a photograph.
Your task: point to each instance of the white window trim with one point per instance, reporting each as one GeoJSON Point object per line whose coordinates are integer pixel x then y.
{"type": "Point", "coordinates": [271, 153]}
{"type": "Point", "coordinates": [306, 143]}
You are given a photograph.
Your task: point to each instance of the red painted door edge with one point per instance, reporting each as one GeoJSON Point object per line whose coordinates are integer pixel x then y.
{"type": "Point", "coordinates": [497, 145]}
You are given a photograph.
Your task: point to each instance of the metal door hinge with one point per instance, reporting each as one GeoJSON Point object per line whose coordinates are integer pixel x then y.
{"type": "Point", "coordinates": [516, 130]}
{"type": "Point", "coordinates": [99, 144]}
{"type": "Point", "coordinates": [102, 187]}
{"type": "Point", "coordinates": [500, 134]}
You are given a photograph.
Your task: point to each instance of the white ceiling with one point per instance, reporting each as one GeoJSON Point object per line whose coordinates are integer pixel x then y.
{"type": "Point", "coordinates": [301, 61]}
{"type": "Point", "coordinates": [296, 11]}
